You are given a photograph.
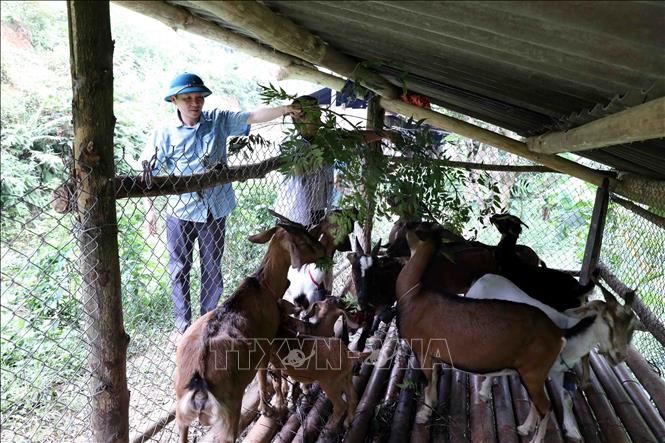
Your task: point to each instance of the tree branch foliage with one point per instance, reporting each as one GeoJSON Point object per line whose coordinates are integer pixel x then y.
{"type": "Point", "coordinates": [417, 189]}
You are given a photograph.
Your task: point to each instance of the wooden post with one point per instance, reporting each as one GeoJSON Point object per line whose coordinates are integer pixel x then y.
{"type": "Point", "coordinates": [91, 50]}
{"type": "Point", "coordinates": [595, 238]}
{"type": "Point", "coordinates": [375, 115]}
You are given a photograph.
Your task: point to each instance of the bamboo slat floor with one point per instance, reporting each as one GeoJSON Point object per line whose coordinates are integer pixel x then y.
{"type": "Point", "coordinates": [613, 407]}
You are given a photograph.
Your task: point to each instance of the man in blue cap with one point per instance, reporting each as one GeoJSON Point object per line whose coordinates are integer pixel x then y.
{"type": "Point", "coordinates": [194, 141]}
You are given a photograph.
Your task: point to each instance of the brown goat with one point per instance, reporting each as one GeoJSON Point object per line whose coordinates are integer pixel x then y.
{"type": "Point", "coordinates": [221, 352]}
{"type": "Point", "coordinates": [310, 358]}
{"type": "Point", "coordinates": [479, 336]}
{"type": "Point", "coordinates": [320, 320]}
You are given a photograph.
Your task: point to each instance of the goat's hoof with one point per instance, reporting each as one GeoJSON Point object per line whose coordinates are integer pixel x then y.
{"type": "Point", "coordinates": [422, 417]}
{"type": "Point", "coordinates": [523, 430]}
{"type": "Point", "coordinates": [268, 411]}
{"type": "Point", "coordinates": [573, 434]}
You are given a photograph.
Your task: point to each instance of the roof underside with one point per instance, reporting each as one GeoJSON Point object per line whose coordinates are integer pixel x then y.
{"type": "Point", "coordinates": [530, 67]}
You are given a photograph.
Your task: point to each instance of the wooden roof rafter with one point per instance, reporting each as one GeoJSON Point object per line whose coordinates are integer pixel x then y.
{"type": "Point", "coordinates": [307, 50]}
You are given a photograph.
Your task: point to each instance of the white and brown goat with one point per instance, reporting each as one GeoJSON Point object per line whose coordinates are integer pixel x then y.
{"type": "Point", "coordinates": [478, 336]}
{"type": "Point", "coordinates": [222, 351]}
{"type": "Point", "coordinates": [607, 325]}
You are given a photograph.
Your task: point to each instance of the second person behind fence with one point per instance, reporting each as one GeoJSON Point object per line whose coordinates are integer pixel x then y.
{"type": "Point", "coordinates": [193, 142]}
{"type": "Point", "coordinates": [305, 196]}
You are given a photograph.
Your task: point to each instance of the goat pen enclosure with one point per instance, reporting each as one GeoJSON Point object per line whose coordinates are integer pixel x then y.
{"type": "Point", "coordinates": [44, 346]}
{"type": "Point", "coordinates": [46, 340]}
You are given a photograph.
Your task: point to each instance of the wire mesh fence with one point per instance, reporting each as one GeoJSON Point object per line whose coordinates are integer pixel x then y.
{"type": "Point", "coordinates": [45, 349]}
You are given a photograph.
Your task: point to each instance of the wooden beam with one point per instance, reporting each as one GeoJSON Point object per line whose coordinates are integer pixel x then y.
{"type": "Point", "coordinates": [284, 35]}
{"type": "Point", "coordinates": [639, 210]}
{"type": "Point", "coordinates": [135, 186]}
{"type": "Point", "coordinates": [639, 189]}
{"type": "Point", "coordinates": [91, 50]}
{"type": "Point", "coordinates": [642, 122]}
{"type": "Point", "coordinates": [179, 18]}
{"type": "Point", "coordinates": [595, 238]}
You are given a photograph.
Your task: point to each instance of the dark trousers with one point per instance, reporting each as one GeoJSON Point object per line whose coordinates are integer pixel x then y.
{"type": "Point", "coordinates": [180, 236]}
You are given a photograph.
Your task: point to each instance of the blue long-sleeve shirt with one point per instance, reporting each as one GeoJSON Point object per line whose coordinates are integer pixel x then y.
{"type": "Point", "coordinates": [182, 150]}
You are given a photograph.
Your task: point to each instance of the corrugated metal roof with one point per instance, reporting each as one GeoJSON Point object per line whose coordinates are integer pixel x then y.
{"type": "Point", "coordinates": [529, 67]}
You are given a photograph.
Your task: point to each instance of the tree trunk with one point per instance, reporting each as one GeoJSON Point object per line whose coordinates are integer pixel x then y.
{"type": "Point", "coordinates": [92, 111]}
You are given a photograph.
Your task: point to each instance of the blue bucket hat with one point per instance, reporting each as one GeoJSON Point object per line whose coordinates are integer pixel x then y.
{"type": "Point", "coordinates": [185, 84]}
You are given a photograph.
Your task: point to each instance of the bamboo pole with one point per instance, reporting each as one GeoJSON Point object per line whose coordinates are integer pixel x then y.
{"type": "Point", "coordinates": [367, 404]}
{"type": "Point", "coordinates": [176, 17]}
{"type": "Point", "coordinates": [653, 384]}
{"type": "Point", "coordinates": [401, 423]}
{"type": "Point", "coordinates": [91, 49]}
{"type": "Point", "coordinates": [284, 35]}
{"type": "Point", "coordinates": [641, 400]}
{"type": "Point", "coordinates": [651, 192]}
{"type": "Point", "coordinates": [156, 427]}
{"type": "Point", "coordinates": [506, 428]}
{"type": "Point", "coordinates": [459, 403]}
{"type": "Point", "coordinates": [135, 186]}
{"type": "Point", "coordinates": [649, 319]}
{"type": "Point", "coordinates": [611, 429]}
{"type": "Point", "coordinates": [480, 412]}
{"type": "Point", "coordinates": [623, 405]}
{"type": "Point", "coordinates": [641, 122]}
{"type": "Point", "coordinates": [648, 215]}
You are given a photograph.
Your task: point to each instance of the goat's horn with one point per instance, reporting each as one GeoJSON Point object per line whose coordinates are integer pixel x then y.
{"type": "Point", "coordinates": [375, 249]}
{"type": "Point", "coordinates": [281, 218]}
{"type": "Point", "coordinates": [609, 297]}
{"type": "Point", "coordinates": [359, 247]}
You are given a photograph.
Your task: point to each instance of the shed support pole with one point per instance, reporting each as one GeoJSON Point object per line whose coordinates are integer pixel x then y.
{"type": "Point", "coordinates": [375, 115]}
{"type": "Point", "coordinates": [91, 52]}
{"type": "Point", "coordinates": [595, 238]}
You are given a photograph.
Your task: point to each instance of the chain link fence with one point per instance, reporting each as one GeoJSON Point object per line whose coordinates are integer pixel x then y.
{"type": "Point", "coordinates": [45, 373]}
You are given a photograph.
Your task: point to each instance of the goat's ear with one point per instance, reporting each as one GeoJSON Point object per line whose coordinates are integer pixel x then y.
{"type": "Point", "coordinates": [263, 237]}
{"type": "Point", "coordinates": [315, 231]}
{"type": "Point", "coordinates": [629, 298]}
{"type": "Point", "coordinates": [359, 248]}
{"type": "Point", "coordinates": [296, 261]}
{"type": "Point", "coordinates": [609, 297]}
{"type": "Point", "coordinates": [375, 249]}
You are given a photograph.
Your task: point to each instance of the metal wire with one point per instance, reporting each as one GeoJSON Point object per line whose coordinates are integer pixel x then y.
{"type": "Point", "coordinates": [45, 344]}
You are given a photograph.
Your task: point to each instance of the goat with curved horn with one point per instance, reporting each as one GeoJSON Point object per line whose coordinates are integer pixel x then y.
{"type": "Point", "coordinates": [283, 219]}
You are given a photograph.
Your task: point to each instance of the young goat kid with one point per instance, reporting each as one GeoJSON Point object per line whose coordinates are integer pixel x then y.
{"type": "Point", "coordinates": [607, 325]}
{"type": "Point", "coordinates": [221, 352]}
{"type": "Point", "coordinates": [479, 336]}
{"type": "Point", "coordinates": [307, 352]}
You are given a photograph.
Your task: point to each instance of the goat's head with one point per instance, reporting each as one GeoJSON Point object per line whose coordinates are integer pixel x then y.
{"type": "Point", "coordinates": [332, 233]}
{"type": "Point", "coordinates": [362, 270]}
{"type": "Point", "coordinates": [292, 240]}
{"type": "Point", "coordinates": [419, 232]}
{"type": "Point", "coordinates": [328, 310]}
{"type": "Point", "coordinates": [508, 224]}
{"type": "Point", "coordinates": [618, 324]}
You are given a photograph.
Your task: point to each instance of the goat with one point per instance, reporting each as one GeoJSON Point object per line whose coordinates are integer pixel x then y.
{"type": "Point", "coordinates": [607, 324]}
{"type": "Point", "coordinates": [453, 270]}
{"type": "Point", "coordinates": [479, 336]}
{"type": "Point", "coordinates": [221, 352]}
{"type": "Point", "coordinates": [310, 283]}
{"type": "Point", "coordinates": [555, 288]}
{"type": "Point", "coordinates": [398, 247]}
{"type": "Point", "coordinates": [307, 352]}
